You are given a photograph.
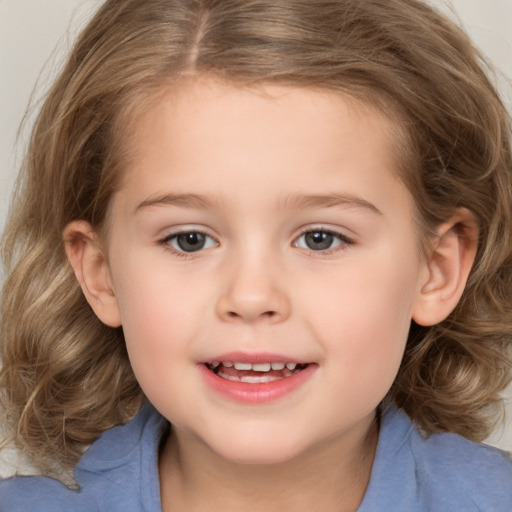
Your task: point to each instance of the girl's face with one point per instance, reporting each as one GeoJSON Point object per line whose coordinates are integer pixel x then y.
{"type": "Point", "coordinates": [264, 230]}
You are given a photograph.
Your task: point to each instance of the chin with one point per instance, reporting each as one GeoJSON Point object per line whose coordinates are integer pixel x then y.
{"type": "Point", "coordinates": [258, 451]}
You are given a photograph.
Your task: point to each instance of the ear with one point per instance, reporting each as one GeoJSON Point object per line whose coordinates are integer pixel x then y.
{"type": "Point", "coordinates": [86, 256]}
{"type": "Point", "coordinates": [447, 269]}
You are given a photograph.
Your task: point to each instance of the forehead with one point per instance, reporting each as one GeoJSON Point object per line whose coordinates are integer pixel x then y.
{"type": "Point", "coordinates": [207, 135]}
{"type": "Point", "coordinates": [203, 107]}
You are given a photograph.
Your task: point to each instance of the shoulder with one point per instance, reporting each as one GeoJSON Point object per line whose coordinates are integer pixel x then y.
{"type": "Point", "coordinates": [41, 494]}
{"type": "Point", "coordinates": [123, 444]}
{"type": "Point", "coordinates": [443, 472]}
{"type": "Point", "coordinates": [450, 464]}
{"type": "Point", "coordinates": [451, 472]}
{"type": "Point", "coordinates": [118, 470]}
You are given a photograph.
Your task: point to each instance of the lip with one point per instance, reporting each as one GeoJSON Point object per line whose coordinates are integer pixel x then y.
{"type": "Point", "coordinates": [258, 393]}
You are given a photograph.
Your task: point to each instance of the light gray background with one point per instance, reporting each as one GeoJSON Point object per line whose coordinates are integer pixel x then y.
{"type": "Point", "coordinates": [37, 33]}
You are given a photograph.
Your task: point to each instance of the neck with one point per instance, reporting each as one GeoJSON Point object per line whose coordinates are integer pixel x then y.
{"type": "Point", "coordinates": [332, 476]}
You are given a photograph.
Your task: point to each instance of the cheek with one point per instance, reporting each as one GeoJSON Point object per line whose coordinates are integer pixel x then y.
{"type": "Point", "coordinates": [150, 295]}
{"type": "Point", "coordinates": [153, 314]}
{"type": "Point", "coordinates": [155, 341]}
{"type": "Point", "coordinates": [363, 319]}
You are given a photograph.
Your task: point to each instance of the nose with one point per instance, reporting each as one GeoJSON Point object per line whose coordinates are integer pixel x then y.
{"type": "Point", "coordinates": [254, 291]}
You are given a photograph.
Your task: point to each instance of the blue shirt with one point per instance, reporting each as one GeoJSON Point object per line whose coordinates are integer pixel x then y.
{"type": "Point", "coordinates": [119, 473]}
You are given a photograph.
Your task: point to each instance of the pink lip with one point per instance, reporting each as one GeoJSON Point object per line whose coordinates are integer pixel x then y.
{"type": "Point", "coordinates": [256, 393]}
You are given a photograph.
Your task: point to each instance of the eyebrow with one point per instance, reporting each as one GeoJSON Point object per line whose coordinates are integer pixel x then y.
{"type": "Point", "coordinates": [298, 201]}
{"type": "Point", "coordinates": [182, 200]}
{"type": "Point", "coordinates": [301, 201]}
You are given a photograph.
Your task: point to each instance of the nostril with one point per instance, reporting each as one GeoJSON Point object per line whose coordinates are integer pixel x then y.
{"type": "Point", "coordinates": [265, 314]}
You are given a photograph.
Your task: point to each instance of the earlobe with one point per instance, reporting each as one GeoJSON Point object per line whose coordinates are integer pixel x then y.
{"type": "Point", "coordinates": [86, 256]}
{"type": "Point", "coordinates": [447, 269]}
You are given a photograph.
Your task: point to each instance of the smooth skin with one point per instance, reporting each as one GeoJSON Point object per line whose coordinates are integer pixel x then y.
{"type": "Point", "coordinates": [267, 220]}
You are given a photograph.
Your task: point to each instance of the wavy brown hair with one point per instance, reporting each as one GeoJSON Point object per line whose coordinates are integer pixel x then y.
{"type": "Point", "coordinates": [66, 376]}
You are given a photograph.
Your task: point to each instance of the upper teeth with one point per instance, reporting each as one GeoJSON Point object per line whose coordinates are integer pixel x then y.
{"type": "Point", "coordinates": [257, 367]}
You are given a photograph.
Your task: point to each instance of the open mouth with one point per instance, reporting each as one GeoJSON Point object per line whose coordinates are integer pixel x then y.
{"type": "Point", "coordinates": [254, 373]}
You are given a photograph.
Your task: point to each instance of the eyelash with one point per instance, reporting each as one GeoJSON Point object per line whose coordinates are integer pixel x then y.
{"type": "Point", "coordinates": [342, 242]}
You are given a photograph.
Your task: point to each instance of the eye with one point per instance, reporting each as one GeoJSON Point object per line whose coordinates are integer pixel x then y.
{"type": "Point", "coordinates": [321, 240]}
{"type": "Point", "coordinates": [190, 241]}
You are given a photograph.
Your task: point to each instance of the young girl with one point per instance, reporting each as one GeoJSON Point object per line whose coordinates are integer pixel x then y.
{"type": "Point", "coordinates": [260, 257]}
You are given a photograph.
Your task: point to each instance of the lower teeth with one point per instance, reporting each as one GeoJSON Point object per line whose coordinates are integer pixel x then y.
{"type": "Point", "coordinates": [255, 377]}
{"type": "Point", "coordinates": [251, 379]}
